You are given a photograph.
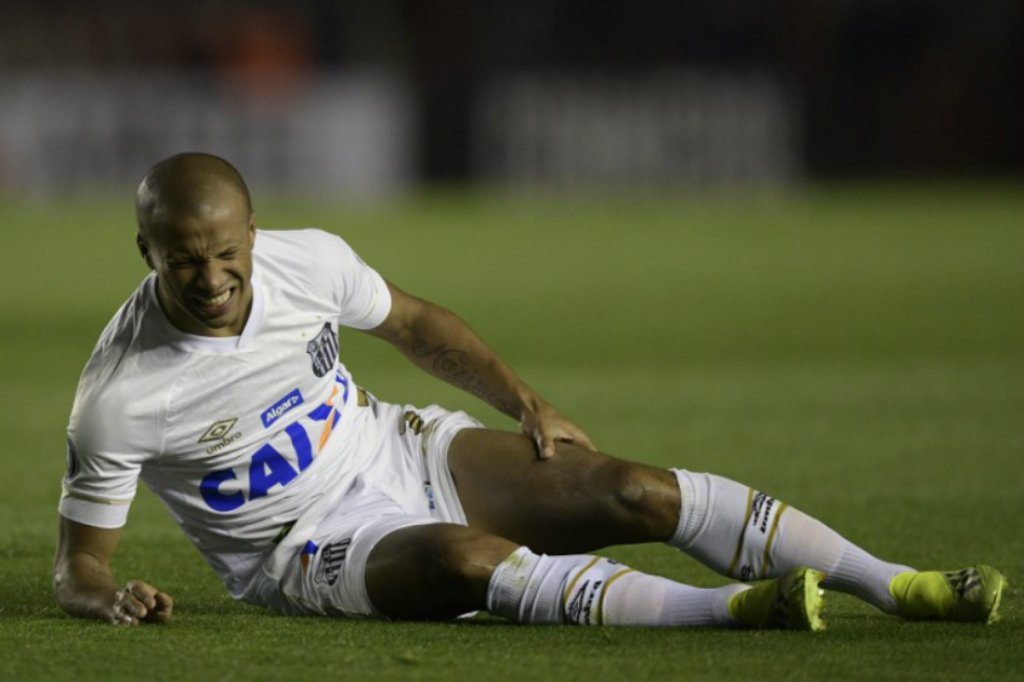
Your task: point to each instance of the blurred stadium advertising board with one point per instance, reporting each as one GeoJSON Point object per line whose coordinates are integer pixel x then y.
{"type": "Point", "coordinates": [72, 133]}
{"type": "Point", "coordinates": [658, 130]}
{"type": "Point", "coordinates": [354, 134]}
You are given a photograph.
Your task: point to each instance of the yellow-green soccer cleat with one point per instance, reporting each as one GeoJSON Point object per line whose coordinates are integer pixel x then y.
{"type": "Point", "coordinates": [970, 595]}
{"type": "Point", "coordinates": [792, 601]}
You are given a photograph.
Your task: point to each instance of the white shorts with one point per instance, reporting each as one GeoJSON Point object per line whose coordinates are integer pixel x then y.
{"type": "Point", "coordinates": [407, 484]}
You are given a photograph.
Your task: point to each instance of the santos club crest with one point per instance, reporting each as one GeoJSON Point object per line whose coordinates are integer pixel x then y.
{"type": "Point", "coordinates": [323, 350]}
{"type": "Point", "coordinates": [331, 558]}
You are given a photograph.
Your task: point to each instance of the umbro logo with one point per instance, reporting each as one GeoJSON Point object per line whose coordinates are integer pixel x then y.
{"type": "Point", "coordinates": [575, 607]}
{"type": "Point", "coordinates": [220, 434]}
{"type": "Point", "coordinates": [218, 430]}
{"type": "Point", "coordinates": [580, 610]}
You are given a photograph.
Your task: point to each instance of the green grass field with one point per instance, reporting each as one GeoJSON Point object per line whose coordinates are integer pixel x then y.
{"type": "Point", "coordinates": [856, 350]}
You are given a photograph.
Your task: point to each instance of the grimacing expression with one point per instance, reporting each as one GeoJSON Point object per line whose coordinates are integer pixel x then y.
{"type": "Point", "coordinates": [203, 263]}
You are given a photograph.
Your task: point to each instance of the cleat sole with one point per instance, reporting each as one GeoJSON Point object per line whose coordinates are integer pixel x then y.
{"type": "Point", "coordinates": [999, 585]}
{"type": "Point", "coordinates": [811, 601]}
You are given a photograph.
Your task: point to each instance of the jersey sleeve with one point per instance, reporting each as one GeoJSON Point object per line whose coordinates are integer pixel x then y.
{"type": "Point", "coordinates": [360, 292]}
{"type": "Point", "coordinates": [100, 483]}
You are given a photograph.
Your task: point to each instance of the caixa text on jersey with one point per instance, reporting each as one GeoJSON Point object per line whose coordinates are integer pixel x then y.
{"type": "Point", "coordinates": [277, 462]}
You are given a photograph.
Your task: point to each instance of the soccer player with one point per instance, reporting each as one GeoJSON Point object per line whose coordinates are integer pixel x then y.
{"type": "Point", "coordinates": [219, 384]}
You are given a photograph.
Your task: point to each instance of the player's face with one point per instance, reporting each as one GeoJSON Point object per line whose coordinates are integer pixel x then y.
{"type": "Point", "coordinates": [204, 268]}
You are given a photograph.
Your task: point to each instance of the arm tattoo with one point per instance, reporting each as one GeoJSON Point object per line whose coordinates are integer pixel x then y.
{"type": "Point", "coordinates": [456, 367]}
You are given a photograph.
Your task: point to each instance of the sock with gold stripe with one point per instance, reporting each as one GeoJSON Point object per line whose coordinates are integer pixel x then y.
{"type": "Point", "coordinates": [746, 534]}
{"type": "Point", "coordinates": [591, 590]}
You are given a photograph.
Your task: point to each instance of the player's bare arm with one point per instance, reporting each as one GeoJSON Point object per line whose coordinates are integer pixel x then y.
{"type": "Point", "coordinates": [439, 342]}
{"type": "Point", "coordinates": [84, 584]}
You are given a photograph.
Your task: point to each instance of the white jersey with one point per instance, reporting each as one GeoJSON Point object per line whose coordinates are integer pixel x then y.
{"type": "Point", "coordinates": [240, 436]}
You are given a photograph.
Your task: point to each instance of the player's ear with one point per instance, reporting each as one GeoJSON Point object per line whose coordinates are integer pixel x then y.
{"type": "Point", "coordinates": [144, 250]}
{"type": "Point", "coordinates": [252, 228]}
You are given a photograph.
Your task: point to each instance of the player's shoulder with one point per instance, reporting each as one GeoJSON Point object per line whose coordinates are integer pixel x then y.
{"type": "Point", "coordinates": [116, 374]}
{"type": "Point", "coordinates": [126, 328]}
{"type": "Point", "coordinates": [311, 258]}
{"type": "Point", "coordinates": [306, 243]}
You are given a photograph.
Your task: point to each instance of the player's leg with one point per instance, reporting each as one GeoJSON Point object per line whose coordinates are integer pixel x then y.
{"type": "Point", "coordinates": [436, 571]}
{"type": "Point", "coordinates": [579, 500]}
{"type": "Point", "coordinates": [748, 534]}
{"type": "Point", "coordinates": [433, 571]}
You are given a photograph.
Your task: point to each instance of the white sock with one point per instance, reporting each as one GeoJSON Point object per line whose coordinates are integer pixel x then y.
{"type": "Point", "coordinates": [746, 534]}
{"type": "Point", "coordinates": [590, 590]}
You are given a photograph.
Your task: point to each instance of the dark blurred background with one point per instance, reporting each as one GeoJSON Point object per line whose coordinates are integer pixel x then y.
{"type": "Point", "coordinates": [370, 98]}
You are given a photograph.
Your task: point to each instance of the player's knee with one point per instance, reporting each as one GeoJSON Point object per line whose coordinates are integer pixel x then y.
{"type": "Point", "coordinates": [631, 487]}
{"type": "Point", "coordinates": [641, 496]}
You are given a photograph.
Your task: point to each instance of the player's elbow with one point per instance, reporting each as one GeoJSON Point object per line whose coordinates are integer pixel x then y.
{"type": "Point", "coordinates": [61, 573]}
{"type": "Point", "coordinates": [61, 585]}
{"type": "Point", "coordinates": [76, 587]}
{"type": "Point", "coordinates": [62, 581]}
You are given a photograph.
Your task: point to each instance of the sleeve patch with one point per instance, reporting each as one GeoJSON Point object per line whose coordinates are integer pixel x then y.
{"type": "Point", "coordinates": [73, 466]}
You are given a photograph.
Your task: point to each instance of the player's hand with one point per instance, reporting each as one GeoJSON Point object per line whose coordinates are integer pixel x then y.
{"type": "Point", "coordinates": [141, 602]}
{"type": "Point", "coordinates": [546, 426]}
